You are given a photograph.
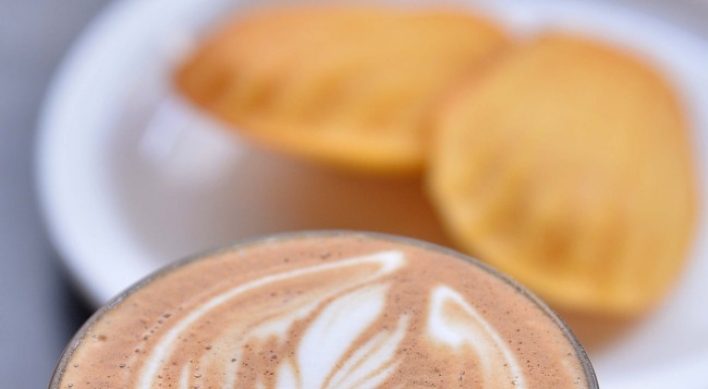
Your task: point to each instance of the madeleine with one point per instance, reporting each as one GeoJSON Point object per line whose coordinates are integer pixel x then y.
{"type": "Point", "coordinates": [568, 166]}
{"type": "Point", "coordinates": [350, 86]}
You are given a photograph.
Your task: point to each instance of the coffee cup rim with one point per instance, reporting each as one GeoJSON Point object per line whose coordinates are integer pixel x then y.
{"type": "Point", "coordinates": [583, 358]}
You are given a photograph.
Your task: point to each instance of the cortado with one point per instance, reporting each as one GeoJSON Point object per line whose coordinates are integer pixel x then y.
{"type": "Point", "coordinates": [325, 310]}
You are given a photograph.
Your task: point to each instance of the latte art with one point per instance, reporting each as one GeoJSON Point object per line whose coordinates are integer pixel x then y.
{"type": "Point", "coordinates": [323, 314]}
{"type": "Point", "coordinates": [334, 318]}
{"type": "Point", "coordinates": [455, 323]}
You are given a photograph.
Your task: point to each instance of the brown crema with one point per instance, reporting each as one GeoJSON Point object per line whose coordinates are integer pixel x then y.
{"type": "Point", "coordinates": [334, 310]}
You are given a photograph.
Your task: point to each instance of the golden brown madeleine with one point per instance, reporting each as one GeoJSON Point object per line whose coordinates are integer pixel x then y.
{"type": "Point", "coordinates": [568, 166]}
{"type": "Point", "coordinates": [348, 85]}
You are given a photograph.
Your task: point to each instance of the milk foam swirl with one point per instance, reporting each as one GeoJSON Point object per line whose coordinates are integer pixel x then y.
{"type": "Point", "coordinates": [348, 314]}
{"type": "Point", "coordinates": [337, 348]}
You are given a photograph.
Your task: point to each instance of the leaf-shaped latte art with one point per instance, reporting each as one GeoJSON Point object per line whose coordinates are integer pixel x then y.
{"type": "Point", "coordinates": [372, 362]}
{"type": "Point", "coordinates": [456, 324]}
{"type": "Point", "coordinates": [386, 262]}
{"type": "Point", "coordinates": [332, 337]}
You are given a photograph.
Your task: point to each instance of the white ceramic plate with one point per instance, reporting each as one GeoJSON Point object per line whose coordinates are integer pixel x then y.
{"type": "Point", "coordinates": [130, 178]}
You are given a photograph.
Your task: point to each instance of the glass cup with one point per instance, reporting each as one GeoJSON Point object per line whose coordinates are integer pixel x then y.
{"type": "Point", "coordinates": [294, 305]}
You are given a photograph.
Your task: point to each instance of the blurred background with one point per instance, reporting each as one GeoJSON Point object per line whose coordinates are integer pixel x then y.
{"type": "Point", "coordinates": [39, 307]}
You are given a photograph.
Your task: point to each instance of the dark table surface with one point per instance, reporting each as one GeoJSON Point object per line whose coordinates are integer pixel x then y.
{"type": "Point", "coordinates": [39, 310]}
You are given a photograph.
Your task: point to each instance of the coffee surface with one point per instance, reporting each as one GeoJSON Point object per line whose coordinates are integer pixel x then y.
{"type": "Point", "coordinates": [334, 311]}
